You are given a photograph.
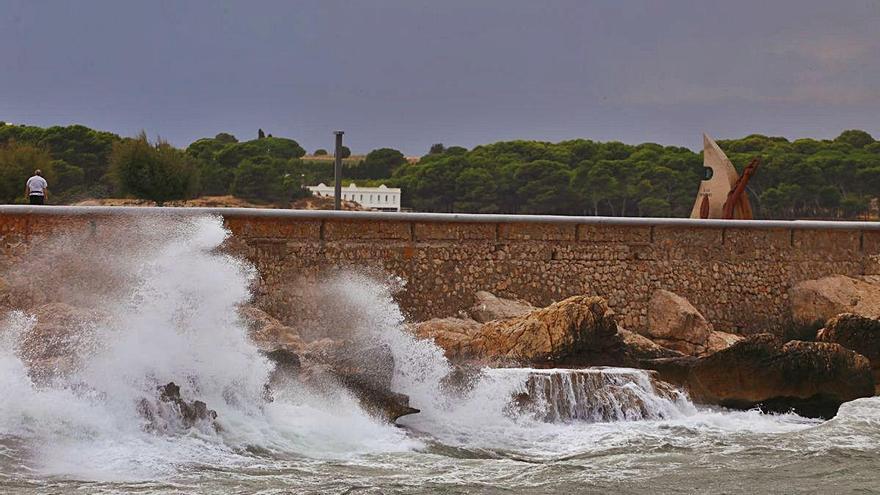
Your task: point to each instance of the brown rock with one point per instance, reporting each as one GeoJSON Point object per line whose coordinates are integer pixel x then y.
{"type": "Point", "coordinates": [675, 323]}
{"type": "Point", "coordinates": [640, 347]}
{"type": "Point", "coordinates": [490, 307]}
{"type": "Point", "coordinates": [579, 328]}
{"type": "Point", "coordinates": [718, 341]}
{"type": "Point", "coordinates": [811, 378]}
{"type": "Point", "coordinates": [268, 333]}
{"type": "Point", "coordinates": [52, 346]}
{"type": "Point", "coordinates": [453, 335]}
{"type": "Point", "coordinates": [856, 333]}
{"type": "Point", "coordinates": [816, 301]}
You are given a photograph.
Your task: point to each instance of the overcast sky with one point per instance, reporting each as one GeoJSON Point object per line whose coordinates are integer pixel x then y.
{"type": "Point", "coordinates": [409, 73]}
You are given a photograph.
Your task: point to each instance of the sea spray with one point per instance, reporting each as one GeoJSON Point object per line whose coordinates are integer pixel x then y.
{"type": "Point", "coordinates": [174, 320]}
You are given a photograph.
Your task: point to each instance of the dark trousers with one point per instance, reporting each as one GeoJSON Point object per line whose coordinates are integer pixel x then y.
{"type": "Point", "coordinates": [36, 199]}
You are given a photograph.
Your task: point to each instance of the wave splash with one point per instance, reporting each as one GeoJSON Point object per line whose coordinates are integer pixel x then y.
{"type": "Point", "coordinates": [172, 315]}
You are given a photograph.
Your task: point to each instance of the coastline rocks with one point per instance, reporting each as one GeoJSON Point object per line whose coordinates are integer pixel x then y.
{"type": "Point", "coordinates": [856, 333]}
{"type": "Point", "coordinates": [816, 301]}
{"type": "Point", "coordinates": [453, 335]}
{"type": "Point", "coordinates": [811, 378]}
{"type": "Point", "coordinates": [267, 332]}
{"type": "Point", "coordinates": [52, 345]}
{"type": "Point", "coordinates": [171, 413]}
{"type": "Point", "coordinates": [579, 326]}
{"type": "Point", "coordinates": [490, 307]}
{"type": "Point", "coordinates": [674, 323]}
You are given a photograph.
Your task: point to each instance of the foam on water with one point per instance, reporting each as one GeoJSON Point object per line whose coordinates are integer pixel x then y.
{"type": "Point", "coordinates": [176, 322]}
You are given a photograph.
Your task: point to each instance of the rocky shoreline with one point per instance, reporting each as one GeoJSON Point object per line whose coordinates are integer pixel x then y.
{"type": "Point", "coordinates": [680, 347]}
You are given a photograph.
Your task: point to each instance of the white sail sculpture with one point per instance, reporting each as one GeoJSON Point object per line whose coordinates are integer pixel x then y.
{"type": "Point", "coordinates": [721, 180]}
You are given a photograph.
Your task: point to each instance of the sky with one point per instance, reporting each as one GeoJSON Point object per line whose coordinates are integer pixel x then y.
{"type": "Point", "coordinates": [409, 73]}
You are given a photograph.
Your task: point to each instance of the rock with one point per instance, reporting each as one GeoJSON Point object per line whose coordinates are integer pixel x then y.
{"type": "Point", "coordinates": [857, 333]}
{"type": "Point", "coordinates": [811, 378]}
{"type": "Point", "coordinates": [718, 341]}
{"type": "Point", "coordinates": [595, 395]}
{"type": "Point", "coordinates": [816, 301]}
{"type": "Point", "coordinates": [268, 333]}
{"type": "Point", "coordinates": [675, 323]}
{"type": "Point", "coordinates": [490, 307]}
{"type": "Point", "coordinates": [61, 332]}
{"type": "Point", "coordinates": [171, 413]}
{"type": "Point", "coordinates": [639, 347]}
{"type": "Point", "coordinates": [453, 335]}
{"type": "Point", "coordinates": [580, 329]}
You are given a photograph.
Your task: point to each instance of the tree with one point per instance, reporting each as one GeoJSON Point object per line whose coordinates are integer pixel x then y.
{"type": "Point", "coordinates": [266, 179]}
{"type": "Point", "coordinates": [545, 187]}
{"type": "Point", "coordinates": [17, 163]}
{"type": "Point", "coordinates": [157, 171]}
{"type": "Point", "coordinates": [436, 149]}
{"type": "Point", "coordinates": [378, 164]}
{"type": "Point", "coordinates": [345, 153]}
{"type": "Point", "coordinates": [320, 152]}
{"type": "Point", "coordinates": [260, 134]}
{"type": "Point", "coordinates": [225, 137]}
{"type": "Point", "coordinates": [855, 138]}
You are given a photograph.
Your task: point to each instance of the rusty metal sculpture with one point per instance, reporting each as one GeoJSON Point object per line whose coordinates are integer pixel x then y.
{"type": "Point", "coordinates": [722, 193]}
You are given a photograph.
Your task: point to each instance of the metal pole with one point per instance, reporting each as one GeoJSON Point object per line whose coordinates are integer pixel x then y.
{"type": "Point", "coordinates": [337, 172]}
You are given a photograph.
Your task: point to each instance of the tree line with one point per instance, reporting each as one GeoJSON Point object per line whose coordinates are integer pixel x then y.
{"type": "Point", "coordinates": [804, 178]}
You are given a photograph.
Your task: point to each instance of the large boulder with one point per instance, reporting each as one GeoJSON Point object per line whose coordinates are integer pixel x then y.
{"type": "Point", "coordinates": [268, 333]}
{"type": "Point", "coordinates": [675, 323]}
{"type": "Point", "coordinates": [811, 378]}
{"type": "Point", "coordinates": [453, 335]}
{"type": "Point", "coordinates": [816, 301]}
{"type": "Point", "coordinates": [578, 331]}
{"type": "Point", "coordinates": [857, 333]}
{"type": "Point", "coordinates": [579, 326]}
{"type": "Point", "coordinates": [490, 307]}
{"type": "Point", "coordinates": [61, 335]}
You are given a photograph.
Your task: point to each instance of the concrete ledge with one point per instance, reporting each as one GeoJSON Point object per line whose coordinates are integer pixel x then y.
{"type": "Point", "coordinates": [432, 217]}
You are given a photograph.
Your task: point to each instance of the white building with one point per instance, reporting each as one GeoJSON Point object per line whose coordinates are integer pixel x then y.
{"type": "Point", "coordinates": [382, 198]}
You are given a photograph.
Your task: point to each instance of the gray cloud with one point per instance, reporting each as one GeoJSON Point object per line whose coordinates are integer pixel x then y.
{"type": "Point", "coordinates": [407, 73]}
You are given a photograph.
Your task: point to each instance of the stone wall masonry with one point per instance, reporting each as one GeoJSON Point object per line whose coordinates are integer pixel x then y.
{"type": "Point", "coordinates": [736, 273]}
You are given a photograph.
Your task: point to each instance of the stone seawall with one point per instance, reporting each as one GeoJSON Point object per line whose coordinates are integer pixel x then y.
{"type": "Point", "coordinates": [735, 272]}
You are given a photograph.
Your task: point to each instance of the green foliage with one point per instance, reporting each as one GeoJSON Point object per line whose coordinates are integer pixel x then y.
{"type": "Point", "coordinates": [376, 165]}
{"type": "Point", "coordinates": [320, 152]}
{"type": "Point", "coordinates": [345, 153]}
{"type": "Point", "coordinates": [17, 163]}
{"type": "Point", "coordinates": [267, 179]}
{"type": "Point", "coordinates": [804, 178]}
{"type": "Point", "coordinates": [158, 171]}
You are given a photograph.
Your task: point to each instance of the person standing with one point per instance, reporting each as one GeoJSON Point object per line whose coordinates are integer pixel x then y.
{"type": "Point", "coordinates": [37, 189]}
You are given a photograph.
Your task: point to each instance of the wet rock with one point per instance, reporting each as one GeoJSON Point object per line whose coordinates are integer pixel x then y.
{"type": "Point", "coordinates": [857, 333]}
{"type": "Point", "coordinates": [580, 327]}
{"type": "Point", "coordinates": [59, 339]}
{"type": "Point", "coordinates": [490, 307]}
{"type": "Point", "coordinates": [819, 300]}
{"type": "Point", "coordinates": [596, 394]}
{"type": "Point", "coordinates": [639, 347]}
{"type": "Point", "coordinates": [381, 402]}
{"type": "Point", "coordinates": [811, 378]}
{"type": "Point", "coordinates": [675, 323]}
{"type": "Point", "coordinates": [268, 333]}
{"type": "Point", "coordinates": [171, 413]}
{"type": "Point", "coordinates": [718, 341]}
{"type": "Point", "coordinates": [453, 335]}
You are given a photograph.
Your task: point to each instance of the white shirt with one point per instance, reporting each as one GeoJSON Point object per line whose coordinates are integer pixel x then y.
{"type": "Point", "coordinates": [36, 186]}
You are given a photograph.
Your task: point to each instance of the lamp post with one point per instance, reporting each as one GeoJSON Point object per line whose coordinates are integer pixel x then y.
{"type": "Point", "coordinates": [337, 172]}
